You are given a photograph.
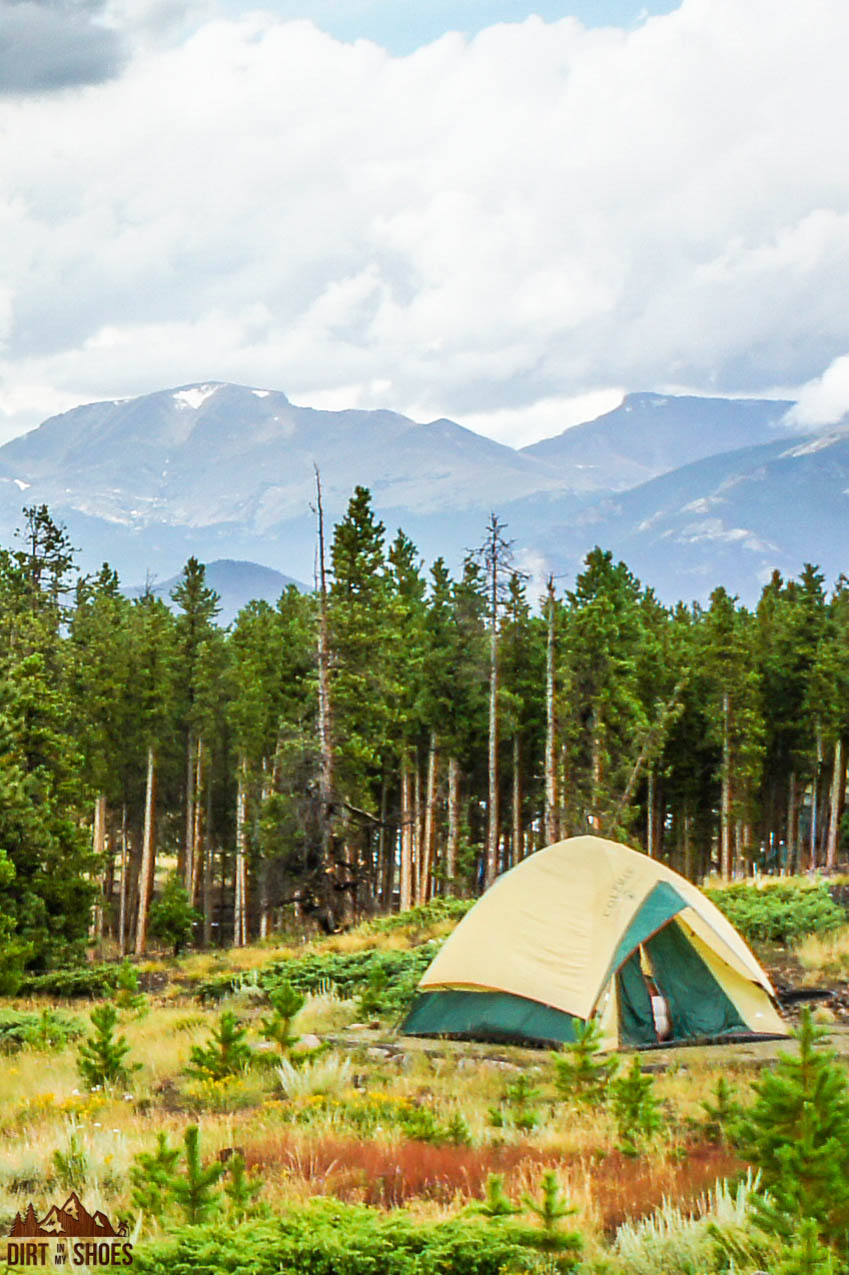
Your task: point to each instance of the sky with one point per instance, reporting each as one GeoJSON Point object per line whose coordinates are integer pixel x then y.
{"type": "Point", "coordinates": [505, 213]}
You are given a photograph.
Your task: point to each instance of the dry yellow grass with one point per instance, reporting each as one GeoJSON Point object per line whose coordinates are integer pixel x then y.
{"type": "Point", "coordinates": [824, 955]}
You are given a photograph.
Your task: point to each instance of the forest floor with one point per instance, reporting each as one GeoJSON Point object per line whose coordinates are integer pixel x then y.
{"type": "Point", "coordinates": [373, 1117]}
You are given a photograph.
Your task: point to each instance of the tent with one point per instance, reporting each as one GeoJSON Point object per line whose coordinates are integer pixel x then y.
{"type": "Point", "coordinates": [588, 927]}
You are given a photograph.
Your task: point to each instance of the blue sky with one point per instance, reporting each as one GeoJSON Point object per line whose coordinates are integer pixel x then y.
{"type": "Point", "coordinates": [404, 25]}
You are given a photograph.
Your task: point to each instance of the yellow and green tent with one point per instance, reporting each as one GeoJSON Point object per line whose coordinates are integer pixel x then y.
{"type": "Point", "coordinates": [590, 928]}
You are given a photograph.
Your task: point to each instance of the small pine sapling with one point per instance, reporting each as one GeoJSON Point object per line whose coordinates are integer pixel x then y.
{"type": "Point", "coordinates": [635, 1108]}
{"type": "Point", "coordinates": [241, 1189]}
{"type": "Point", "coordinates": [550, 1210]}
{"type": "Point", "coordinates": [522, 1098]}
{"type": "Point", "coordinates": [127, 994]}
{"type": "Point", "coordinates": [457, 1131]}
{"type": "Point", "coordinates": [796, 1134]}
{"type": "Point", "coordinates": [101, 1058]}
{"type": "Point", "coordinates": [805, 1255]}
{"type": "Point", "coordinates": [72, 1164]}
{"type": "Point", "coordinates": [226, 1054]}
{"type": "Point", "coordinates": [152, 1177]}
{"type": "Point", "coordinates": [370, 1001]}
{"type": "Point", "coordinates": [722, 1116]}
{"type": "Point", "coordinates": [581, 1075]}
{"type": "Point", "coordinates": [497, 1204]}
{"type": "Point", "coordinates": [286, 1002]}
{"type": "Point", "coordinates": [194, 1192]}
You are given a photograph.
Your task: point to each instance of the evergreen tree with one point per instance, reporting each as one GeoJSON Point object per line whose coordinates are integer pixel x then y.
{"type": "Point", "coordinates": [152, 1174]}
{"type": "Point", "coordinates": [226, 1054]}
{"type": "Point", "coordinates": [193, 1191]}
{"type": "Point", "coordinates": [277, 1027]}
{"type": "Point", "coordinates": [172, 917]}
{"type": "Point", "coordinates": [101, 1059]}
{"type": "Point", "coordinates": [241, 1189]}
{"type": "Point", "coordinates": [634, 1107]}
{"type": "Point", "coordinates": [581, 1076]}
{"type": "Point", "coordinates": [797, 1135]}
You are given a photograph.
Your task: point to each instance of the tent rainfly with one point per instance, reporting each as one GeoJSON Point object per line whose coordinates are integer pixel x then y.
{"type": "Point", "coordinates": [589, 928]}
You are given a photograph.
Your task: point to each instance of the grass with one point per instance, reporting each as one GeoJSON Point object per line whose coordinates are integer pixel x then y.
{"type": "Point", "coordinates": [354, 1122]}
{"type": "Point", "coordinates": [824, 956]}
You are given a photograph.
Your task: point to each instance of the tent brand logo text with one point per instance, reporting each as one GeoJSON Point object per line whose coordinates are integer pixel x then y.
{"type": "Point", "coordinates": [622, 888]}
{"type": "Point", "coordinates": [67, 1236]}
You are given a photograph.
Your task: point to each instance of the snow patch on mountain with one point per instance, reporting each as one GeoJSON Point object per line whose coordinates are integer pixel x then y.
{"type": "Point", "coordinates": [815, 445]}
{"type": "Point", "coordinates": [194, 396]}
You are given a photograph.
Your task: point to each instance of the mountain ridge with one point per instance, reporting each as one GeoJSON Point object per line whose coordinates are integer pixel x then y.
{"type": "Point", "coordinates": [226, 473]}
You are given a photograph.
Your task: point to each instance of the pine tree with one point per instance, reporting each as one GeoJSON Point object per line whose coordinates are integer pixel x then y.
{"type": "Point", "coordinates": [805, 1255]}
{"type": "Point", "coordinates": [550, 1210]}
{"type": "Point", "coordinates": [797, 1135]}
{"type": "Point", "coordinates": [241, 1189]}
{"type": "Point", "coordinates": [634, 1107]}
{"type": "Point", "coordinates": [152, 1176]}
{"type": "Point", "coordinates": [193, 1192]}
{"type": "Point", "coordinates": [496, 1204]}
{"type": "Point", "coordinates": [723, 1114]}
{"type": "Point", "coordinates": [172, 917]}
{"type": "Point", "coordinates": [101, 1059]}
{"type": "Point", "coordinates": [227, 1053]}
{"type": "Point", "coordinates": [581, 1075]}
{"type": "Point", "coordinates": [277, 1027]}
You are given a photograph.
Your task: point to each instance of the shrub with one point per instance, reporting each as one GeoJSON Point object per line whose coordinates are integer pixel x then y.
{"type": "Point", "coordinates": [717, 1236]}
{"type": "Point", "coordinates": [347, 972]}
{"type": "Point", "coordinates": [779, 912]}
{"type": "Point", "coordinates": [46, 1030]}
{"type": "Point", "coordinates": [86, 981]}
{"type": "Point", "coordinates": [329, 1074]}
{"type": "Point", "coordinates": [329, 1238]}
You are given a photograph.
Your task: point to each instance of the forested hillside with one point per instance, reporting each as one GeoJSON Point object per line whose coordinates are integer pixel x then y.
{"type": "Point", "coordinates": [395, 735]}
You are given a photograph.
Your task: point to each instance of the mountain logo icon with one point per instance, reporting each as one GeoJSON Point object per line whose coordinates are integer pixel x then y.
{"type": "Point", "coordinates": [71, 1220]}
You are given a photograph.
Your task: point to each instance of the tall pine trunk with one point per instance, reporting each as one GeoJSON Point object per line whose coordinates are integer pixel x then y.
{"type": "Point", "coordinates": [185, 865]}
{"type": "Point", "coordinates": [492, 808]}
{"type": "Point", "coordinates": [427, 856]}
{"type": "Point", "coordinates": [517, 848]}
{"type": "Point", "coordinates": [838, 788]}
{"type": "Point", "coordinates": [453, 843]}
{"type": "Point", "coordinates": [197, 823]}
{"type": "Point", "coordinates": [240, 909]}
{"type": "Point", "coordinates": [325, 713]}
{"type": "Point", "coordinates": [815, 796]}
{"type": "Point", "coordinates": [99, 848]}
{"type": "Point", "coordinates": [552, 812]}
{"type": "Point", "coordinates": [406, 884]}
{"type": "Point", "coordinates": [122, 902]}
{"type": "Point", "coordinates": [725, 814]}
{"type": "Point", "coordinates": [148, 862]}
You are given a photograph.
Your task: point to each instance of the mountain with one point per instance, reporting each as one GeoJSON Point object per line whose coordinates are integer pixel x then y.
{"type": "Point", "coordinates": [690, 491]}
{"type": "Point", "coordinates": [650, 434]}
{"type": "Point", "coordinates": [730, 519]}
{"type": "Point", "coordinates": [228, 471]}
{"type": "Point", "coordinates": [236, 583]}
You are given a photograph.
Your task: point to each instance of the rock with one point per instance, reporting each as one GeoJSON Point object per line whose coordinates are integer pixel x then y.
{"type": "Point", "coordinates": [309, 1041]}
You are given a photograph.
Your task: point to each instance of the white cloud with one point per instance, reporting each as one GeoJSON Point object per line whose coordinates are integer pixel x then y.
{"type": "Point", "coordinates": [488, 229]}
{"type": "Point", "coordinates": [825, 399]}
